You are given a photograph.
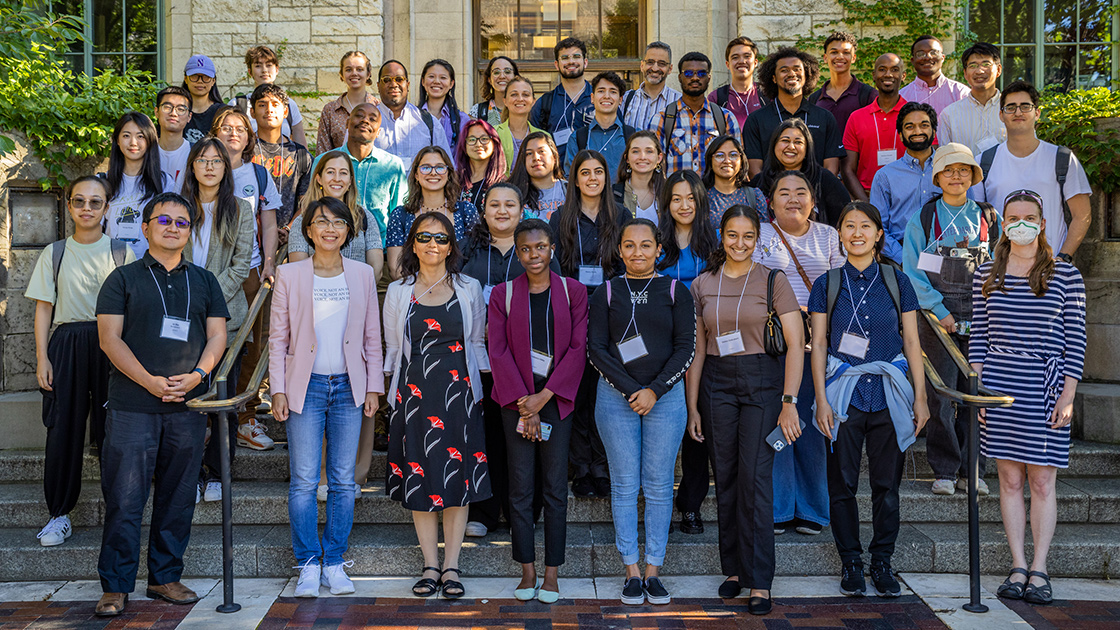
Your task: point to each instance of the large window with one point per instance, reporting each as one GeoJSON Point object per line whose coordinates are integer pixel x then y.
{"type": "Point", "coordinates": [1065, 44]}
{"type": "Point", "coordinates": [119, 34]}
{"type": "Point", "coordinates": [527, 30]}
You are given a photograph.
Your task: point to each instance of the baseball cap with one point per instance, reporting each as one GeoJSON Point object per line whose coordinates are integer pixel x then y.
{"type": "Point", "coordinates": [200, 64]}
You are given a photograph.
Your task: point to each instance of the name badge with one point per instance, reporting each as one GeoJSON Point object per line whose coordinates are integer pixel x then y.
{"type": "Point", "coordinates": [730, 343]}
{"type": "Point", "coordinates": [590, 275]}
{"type": "Point", "coordinates": [632, 349]}
{"type": "Point", "coordinates": [129, 231]}
{"type": "Point", "coordinates": [542, 363]}
{"type": "Point", "coordinates": [175, 328]}
{"type": "Point", "coordinates": [986, 143]}
{"type": "Point", "coordinates": [486, 291]}
{"type": "Point", "coordinates": [886, 156]}
{"type": "Point", "coordinates": [929, 263]}
{"type": "Point", "coordinates": [561, 136]}
{"type": "Point", "coordinates": [853, 345]}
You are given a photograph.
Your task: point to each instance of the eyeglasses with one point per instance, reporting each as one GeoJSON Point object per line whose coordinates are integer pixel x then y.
{"type": "Point", "coordinates": [397, 80]}
{"type": "Point", "coordinates": [426, 237]}
{"type": "Point", "coordinates": [168, 108]}
{"type": "Point", "coordinates": [231, 129]}
{"type": "Point", "coordinates": [981, 65]}
{"type": "Point", "coordinates": [93, 203]}
{"type": "Point", "coordinates": [205, 163]}
{"type": "Point", "coordinates": [322, 224]}
{"type": "Point", "coordinates": [166, 221]}
{"type": "Point", "coordinates": [928, 54]}
{"type": "Point", "coordinates": [699, 74]}
{"type": "Point", "coordinates": [1010, 108]}
{"type": "Point", "coordinates": [658, 63]}
{"type": "Point", "coordinates": [958, 172]}
{"type": "Point", "coordinates": [199, 78]}
{"type": "Point", "coordinates": [498, 72]}
{"type": "Point", "coordinates": [439, 169]}
{"type": "Point", "coordinates": [732, 156]}
{"type": "Point", "coordinates": [473, 140]}
{"type": "Point", "coordinates": [575, 57]}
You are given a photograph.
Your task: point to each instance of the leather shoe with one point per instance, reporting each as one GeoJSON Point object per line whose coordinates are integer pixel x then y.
{"type": "Point", "coordinates": [174, 592]}
{"type": "Point", "coordinates": [602, 487]}
{"type": "Point", "coordinates": [760, 605]}
{"type": "Point", "coordinates": [730, 589]}
{"type": "Point", "coordinates": [110, 604]}
{"type": "Point", "coordinates": [691, 523]}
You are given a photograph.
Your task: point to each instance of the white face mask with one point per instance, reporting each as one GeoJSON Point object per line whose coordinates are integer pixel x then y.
{"type": "Point", "coordinates": [1022, 232]}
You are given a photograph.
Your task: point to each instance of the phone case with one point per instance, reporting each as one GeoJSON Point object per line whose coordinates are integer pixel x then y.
{"type": "Point", "coordinates": [777, 439]}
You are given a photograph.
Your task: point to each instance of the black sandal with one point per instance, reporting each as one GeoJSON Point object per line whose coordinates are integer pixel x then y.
{"type": "Point", "coordinates": [426, 587]}
{"type": "Point", "coordinates": [455, 586]}
{"type": "Point", "coordinates": [1013, 590]}
{"type": "Point", "coordinates": [1038, 595]}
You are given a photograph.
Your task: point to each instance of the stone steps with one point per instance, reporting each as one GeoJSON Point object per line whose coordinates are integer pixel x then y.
{"type": "Point", "coordinates": [265, 551]}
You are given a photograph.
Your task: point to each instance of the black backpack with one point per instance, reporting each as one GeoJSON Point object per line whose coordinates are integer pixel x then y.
{"type": "Point", "coordinates": [1061, 168]}
{"type": "Point", "coordinates": [670, 122]}
{"type": "Point", "coordinates": [584, 132]}
{"type": "Point", "coordinates": [988, 222]}
{"type": "Point", "coordinates": [886, 272]}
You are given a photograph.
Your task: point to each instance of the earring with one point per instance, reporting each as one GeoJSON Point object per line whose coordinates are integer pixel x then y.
{"type": "Point", "coordinates": [658, 169]}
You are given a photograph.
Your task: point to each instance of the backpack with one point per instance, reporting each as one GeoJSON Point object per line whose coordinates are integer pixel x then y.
{"type": "Point", "coordinates": [509, 293]}
{"type": "Point", "coordinates": [890, 280]}
{"type": "Point", "coordinates": [546, 108]}
{"type": "Point", "coordinates": [242, 104]}
{"type": "Point", "coordinates": [118, 250]}
{"type": "Point", "coordinates": [584, 132]}
{"type": "Point", "coordinates": [670, 122]}
{"type": "Point", "coordinates": [427, 118]}
{"type": "Point", "coordinates": [1061, 168]}
{"type": "Point", "coordinates": [483, 110]}
{"type": "Point", "coordinates": [627, 100]}
{"type": "Point", "coordinates": [988, 224]}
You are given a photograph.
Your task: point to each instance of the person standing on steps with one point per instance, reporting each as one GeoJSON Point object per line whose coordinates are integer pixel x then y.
{"type": "Point", "coordinates": [405, 129]}
{"type": "Point", "coordinates": [870, 137]}
{"type": "Point", "coordinates": [537, 173]}
{"type": "Point", "coordinates": [842, 93]}
{"type": "Point", "coordinates": [437, 97]}
{"type": "Point", "coordinates": [162, 322]}
{"type": "Point", "coordinates": [725, 179]}
{"type": "Point", "coordinates": [741, 96]}
{"type": "Point", "coordinates": [173, 112]}
{"type": "Point", "coordinates": [568, 106]}
{"type": "Point", "coordinates": [642, 105]}
{"type": "Point", "coordinates": [134, 176]}
{"type": "Point", "coordinates": [356, 72]}
{"type": "Point", "coordinates": [689, 124]}
{"type": "Point", "coordinates": [930, 85]}
{"type": "Point", "coordinates": [640, 176]}
{"type": "Point", "coordinates": [974, 120]}
{"type": "Point", "coordinates": [500, 71]}
{"type": "Point", "coordinates": [604, 132]}
{"type": "Point", "coordinates": [71, 370]}
{"type": "Point", "coordinates": [200, 80]}
{"type": "Point", "coordinates": [515, 129]}
{"type": "Point", "coordinates": [263, 66]}
{"type": "Point", "coordinates": [287, 162]}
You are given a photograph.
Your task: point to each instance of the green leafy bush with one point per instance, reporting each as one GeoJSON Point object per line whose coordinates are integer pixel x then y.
{"type": "Point", "coordinates": [1070, 119]}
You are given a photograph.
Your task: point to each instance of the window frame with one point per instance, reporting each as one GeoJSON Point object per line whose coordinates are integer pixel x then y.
{"type": "Point", "coordinates": [88, 53]}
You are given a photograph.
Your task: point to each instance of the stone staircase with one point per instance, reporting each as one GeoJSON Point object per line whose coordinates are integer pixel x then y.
{"type": "Point", "coordinates": [933, 536]}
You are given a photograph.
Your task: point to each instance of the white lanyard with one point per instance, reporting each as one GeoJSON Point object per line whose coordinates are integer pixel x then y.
{"type": "Point", "coordinates": [944, 229]}
{"type": "Point", "coordinates": [634, 305]}
{"type": "Point", "coordinates": [878, 142]}
{"type": "Point", "coordinates": [186, 273]}
{"type": "Point", "coordinates": [855, 307]}
{"type": "Point", "coordinates": [719, 290]}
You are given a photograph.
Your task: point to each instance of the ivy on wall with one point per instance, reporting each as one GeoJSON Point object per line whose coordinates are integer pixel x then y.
{"type": "Point", "coordinates": [1071, 119]}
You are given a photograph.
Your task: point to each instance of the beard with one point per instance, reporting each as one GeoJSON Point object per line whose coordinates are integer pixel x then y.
{"type": "Point", "coordinates": [692, 92]}
{"type": "Point", "coordinates": [918, 146]}
{"type": "Point", "coordinates": [575, 74]}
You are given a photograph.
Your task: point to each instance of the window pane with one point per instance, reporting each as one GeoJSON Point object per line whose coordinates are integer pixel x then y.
{"type": "Point", "coordinates": [983, 19]}
{"type": "Point", "coordinates": [581, 20]}
{"type": "Point", "coordinates": [1061, 19]}
{"type": "Point", "coordinates": [497, 23]}
{"type": "Point", "coordinates": [1059, 67]}
{"type": "Point", "coordinates": [1018, 25]}
{"type": "Point", "coordinates": [1096, 66]}
{"type": "Point", "coordinates": [141, 26]}
{"type": "Point", "coordinates": [146, 63]}
{"type": "Point", "coordinates": [1096, 22]}
{"type": "Point", "coordinates": [620, 28]}
{"type": "Point", "coordinates": [102, 63]}
{"type": "Point", "coordinates": [1018, 64]}
{"type": "Point", "coordinates": [107, 26]}
{"type": "Point", "coordinates": [75, 63]}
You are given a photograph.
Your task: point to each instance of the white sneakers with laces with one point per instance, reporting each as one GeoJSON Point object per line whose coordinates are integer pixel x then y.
{"type": "Point", "coordinates": [56, 531]}
{"type": "Point", "coordinates": [213, 491]}
{"type": "Point", "coordinates": [336, 579]}
{"type": "Point", "coordinates": [254, 435]}
{"type": "Point", "coordinates": [308, 583]}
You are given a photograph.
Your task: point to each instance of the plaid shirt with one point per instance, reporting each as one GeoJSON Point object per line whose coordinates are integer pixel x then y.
{"type": "Point", "coordinates": [641, 111]}
{"type": "Point", "coordinates": [691, 133]}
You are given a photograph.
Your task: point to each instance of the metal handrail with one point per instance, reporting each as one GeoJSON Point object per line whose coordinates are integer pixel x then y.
{"type": "Point", "coordinates": [985, 397]}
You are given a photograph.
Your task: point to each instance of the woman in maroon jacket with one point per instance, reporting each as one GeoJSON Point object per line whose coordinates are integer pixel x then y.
{"type": "Point", "coordinates": [537, 334]}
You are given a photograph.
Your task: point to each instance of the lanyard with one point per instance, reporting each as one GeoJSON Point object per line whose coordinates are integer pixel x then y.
{"type": "Point", "coordinates": [634, 305]}
{"type": "Point", "coordinates": [942, 231]}
{"type": "Point", "coordinates": [490, 258]}
{"type": "Point", "coordinates": [878, 142]}
{"type": "Point", "coordinates": [186, 272]}
{"type": "Point", "coordinates": [779, 112]}
{"type": "Point", "coordinates": [855, 307]}
{"type": "Point", "coordinates": [606, 142]}
{"type": "Point", "coordinates": [719, 290]}
{"type": "Point", "coordinates": [547, 330]}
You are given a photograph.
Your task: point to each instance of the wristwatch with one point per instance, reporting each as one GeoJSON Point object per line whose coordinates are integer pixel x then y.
{"type": "Point", "coordinates": [786, 398]}
{"type": "Point", "coordinates": [1064, 257]}
{"type": "Point", "coordinates": [201, 372]}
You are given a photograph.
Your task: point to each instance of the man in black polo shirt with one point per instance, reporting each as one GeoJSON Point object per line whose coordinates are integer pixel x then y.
{"type": "Point", "coordinates": [162, 323]}
{"type": "Point", "coordinates": [786, 78]}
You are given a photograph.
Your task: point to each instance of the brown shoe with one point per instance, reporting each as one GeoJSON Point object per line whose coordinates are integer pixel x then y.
{"type": "Point", "coordinates": [110, 604]}
{"type": "Point", "coordinates": [174, 592]}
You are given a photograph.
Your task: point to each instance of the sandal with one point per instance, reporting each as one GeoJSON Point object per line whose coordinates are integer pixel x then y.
{"type": "Point", "coordinates": [426, 587]}
{"type": "Point", "coordinates": [1038, 595]}
{"type": "Point", "coordinates": [1013, 590]}
{"type": "Point", "coordinates": [454, 586]}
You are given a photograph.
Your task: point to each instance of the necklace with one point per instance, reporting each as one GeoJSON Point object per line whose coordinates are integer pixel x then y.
{"type": "Point", "coordinates": [424, 208]}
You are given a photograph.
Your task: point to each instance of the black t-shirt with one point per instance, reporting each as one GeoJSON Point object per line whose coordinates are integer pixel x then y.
{"type": "Point", "coordinates": [488, 265]}
{"type": "Point", "coordinates": [139, 291]}
{"type": "Point", "coordinates": [542, 327]}
{"type": "Point", "coordinates": [289, 164]}
{"type": "Point", "coordinates": [830, 192]}
{"type": "Point", "coordinates": [588, 236]}
{"type": "Point", "coordinates": [198, 127]}
{"type": "Point", "coordinates": [828, 140]}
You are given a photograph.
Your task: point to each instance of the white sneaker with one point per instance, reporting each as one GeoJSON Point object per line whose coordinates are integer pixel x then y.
{"type": "Point", "coordinates": [213, 491]}
{"type": "Point", "coordinates": [308, 583]}
{"type": "Point", "coordinates": [266, 403]}
{"type": "Point", "coordinates": [335, 577]}
{"type": "Point", "coordinates": [56, 531]}
{"type": "Point", "coordinates": [198, 493]}
{"type": "Point", "coordinates": [981, 486]}
{"type": "Point", "coordinates": [476, 529]}
{"type": "Point", "coordinates": [357, 491]}
{"type": "Point", "coordinates": [255, 436]}
{"type": "Point", "coordinates": [321, 493]}
{"type": "Point", "coordinates": [944, 487]}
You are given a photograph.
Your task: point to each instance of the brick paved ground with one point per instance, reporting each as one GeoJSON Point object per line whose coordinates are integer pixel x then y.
{"type": "Point", "coordinates": [1072, 614]}
{"type": "Point", "coordinates": [140, 614]}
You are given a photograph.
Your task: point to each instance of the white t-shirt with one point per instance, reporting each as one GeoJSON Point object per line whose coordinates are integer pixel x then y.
{"type": "Point", "coordinates": [647, 213]}
{"type": "Point", "coordinates": [331, 304]}
{"type": "Point", "coordinates": [126, 212]}
{"type": "Point", "coordinates": [1034, 172]}
{"type": "Point", "coordinates": [200, 237]}
{"type": "Point", "coordinates": [285, 128]}
{"type": "Point", "coordinates": [245, 187]}
{"type": "Point", "coordinates": [174, 164]}
{"type": "Point", "coordinates": [818, 250]}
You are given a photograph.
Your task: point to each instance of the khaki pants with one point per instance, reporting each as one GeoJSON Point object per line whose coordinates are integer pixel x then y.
{"type": "Point", "coordinates": [257, 341]}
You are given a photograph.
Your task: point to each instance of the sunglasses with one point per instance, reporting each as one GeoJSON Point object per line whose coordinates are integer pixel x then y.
{"type": "Point", "coordinates": [426, 237]}
{"type": "Point", "coordinates": [699, 74]}
{"type": "Point", "coordinates": [93, 203]}
{"type": "Point", "coordinates": [166, 220]}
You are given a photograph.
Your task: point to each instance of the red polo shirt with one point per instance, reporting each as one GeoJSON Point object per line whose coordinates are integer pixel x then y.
{"type": "Point", "coordinates": [869, 131]}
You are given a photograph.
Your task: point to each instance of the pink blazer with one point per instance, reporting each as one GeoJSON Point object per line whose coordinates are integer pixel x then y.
{"type": "Point", "coordinates": [292, 341]}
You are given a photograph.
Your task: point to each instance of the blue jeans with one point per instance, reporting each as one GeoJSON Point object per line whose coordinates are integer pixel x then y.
{"type": "Point", "coordinates": [800, 470]}
{"type": "Point", "coordinates": [328, 408]}
{"type": "Point", "coordinates": [641, 451]}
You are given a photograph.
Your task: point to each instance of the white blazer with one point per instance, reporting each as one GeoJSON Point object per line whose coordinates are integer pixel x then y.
{"type": "Point", "coordinates": [469, 292]}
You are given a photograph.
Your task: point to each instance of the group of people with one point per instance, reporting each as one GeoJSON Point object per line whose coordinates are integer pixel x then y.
{"type": "Point", "coordinates": [534, 288]}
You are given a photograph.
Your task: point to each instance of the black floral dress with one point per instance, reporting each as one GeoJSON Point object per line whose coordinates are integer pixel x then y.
{"type": "Point", "coordinates": [437, 455]}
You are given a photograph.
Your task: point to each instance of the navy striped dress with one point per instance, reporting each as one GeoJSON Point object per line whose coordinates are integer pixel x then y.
{"type": "Point", "coordinates": [1028, 345]}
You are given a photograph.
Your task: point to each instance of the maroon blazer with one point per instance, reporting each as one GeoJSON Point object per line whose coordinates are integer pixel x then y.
{"type": "Point", "coordinates": [509, 345]}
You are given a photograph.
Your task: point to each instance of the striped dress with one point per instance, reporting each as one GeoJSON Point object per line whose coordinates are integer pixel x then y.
{"type": "Point", "coordinates": [1028, 345]}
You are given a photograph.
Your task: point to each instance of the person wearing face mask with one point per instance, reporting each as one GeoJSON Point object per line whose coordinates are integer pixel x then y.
{"type": "Point", "coordinates": [689, 124]}
{"type": "Point", "coordinates": [537, 174]}
{"type": "Point", "coordinates": [481, 160]}
{"type": "Point", "coordinates": [569, 106]}
{"type": "Point", "coordinates": [741, 96]}
{"type": "Point", "coordinates": [499, 73]}
{"type": "Point", "coordinates": [515, 128]}
{"type": "Point", "coordinates": [641, 106]}
{"type": "Point", "coordinates": [726, 181]}
{"type": "Point", "coordinates": [405, 128]}
{"type": "Point", "coordinates": [437, 97]}
{"type": "Point", "coordinates": [1028, 341]}
{"type": "Point", "coordinates": [870, 137]}
{"type": "Point", "coordinates": [944, 244]}
{"type": "Point", "coordinates": [640, 178]}
{"type": "Point", "coordinates": [931, 86]}
{"type": "Point", "coordinates": [902, 187]}
{"type": "Point", "coordinates": [642, 345]}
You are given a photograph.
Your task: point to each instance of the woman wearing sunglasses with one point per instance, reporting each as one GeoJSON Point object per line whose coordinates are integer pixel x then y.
{"type": "Point", "coordinates": [433, 186]}
{"type": "Point", "coordinates": [481, 160]}
{"type": "Point", "coordinates": [435, 322]}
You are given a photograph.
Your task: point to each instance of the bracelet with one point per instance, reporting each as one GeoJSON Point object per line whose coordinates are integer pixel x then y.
{"type": "Point", "coordinates": [201, 372]}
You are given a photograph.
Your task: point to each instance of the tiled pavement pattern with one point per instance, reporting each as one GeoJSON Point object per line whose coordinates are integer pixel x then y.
{"type": "Point", "coordinates": [140, 614]}
{"type": "Point", "coordinates": [1065, 613]}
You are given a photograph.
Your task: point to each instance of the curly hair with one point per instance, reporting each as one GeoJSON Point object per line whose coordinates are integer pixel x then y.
{"type": "Point", "coordinates": [769, 67]}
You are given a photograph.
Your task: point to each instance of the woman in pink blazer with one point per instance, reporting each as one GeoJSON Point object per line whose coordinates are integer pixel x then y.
{"type": "Point", "coordinates": [325, 365]}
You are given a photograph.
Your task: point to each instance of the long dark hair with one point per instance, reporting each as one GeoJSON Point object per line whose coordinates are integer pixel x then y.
{"type": "Point", "coordinates": [151, 177]}
{"type": "Point", "coordinates": [480, 236]}
{"type": "Point", "coordinates": [451, 189]}
{"type": "Point", "coordinates": [215, 95]}
{"type": "Point", "coordinates": [487, 89]}
{"type": "Point", "coordinates": [1042, 270]}
{"type": "Point", "coordinates": [872, 213]}
{"type": "Point", "coordinates": [520, 175]}
{"type": "Point", "coordinates": [703, 240]}
{"type": "Point", "coordinates": [495, 165]}
{"type": "Point", "coordinates": [741, 179]}
{"type": "Point", "coordinates": [225, 205]}
{"type": "Point", "coordinates": [719, 254]}
{"type": "Point", "coordinates": [657, 180]}
{"type": "Point", "coordinates": [410, 263]}
{"type": "Point", "coordinates": [771, 166]}
{"type": "Point", "coordinates": [449, 99]}
{"type": "Point", "coordinates": [606, 220]}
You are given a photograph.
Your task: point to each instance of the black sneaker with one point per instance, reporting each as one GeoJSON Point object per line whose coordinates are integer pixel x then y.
{"type": "Point", "coordinates": [807, 528]}
{"type": "Point", "coordinates": [780, 528]}
{"type": "Point", "coordinates": [883, 580]}
{"type": "Point", "coordinates": [602, 487]}
{"type": "Point", "coordinates": [691, 523]}
{"type": "Point", "coordinates": [582, 487]}
{"type": "Point", "coordinates": [655, 591]}
{"type": "Point", "coordinates": [632, 592]}
{"type": "Point", "coordinates": [852, 583]}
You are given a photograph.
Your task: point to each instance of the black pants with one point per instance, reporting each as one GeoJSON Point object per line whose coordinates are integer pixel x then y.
{"type": "Point", "coordinates": [588, 457]}
{"type": "Point", "coordinates": [740, 399]}
{"type": "Point", "coordinates": [694, 475]}
{"type": "Point", "coordinates": [140, 448]}
{"type": "Point", "coordinates": [489, 512]}
{"type": "Point", "coordinates": [212, 458]}
{"type": "Point", "coordinates": [885, 463]}
{"type": "Point", "coordinates": [80, 389]}
{"type": "Point", "coordinates": [947, 434]}
{"type": "Point", "coordinates": [538, 469]}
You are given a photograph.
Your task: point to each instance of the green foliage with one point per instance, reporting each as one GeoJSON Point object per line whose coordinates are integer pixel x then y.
{"type": "Point", "coordinates": [1070, 119]}
{"type": "Point", "coordinates": [28, 31]}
